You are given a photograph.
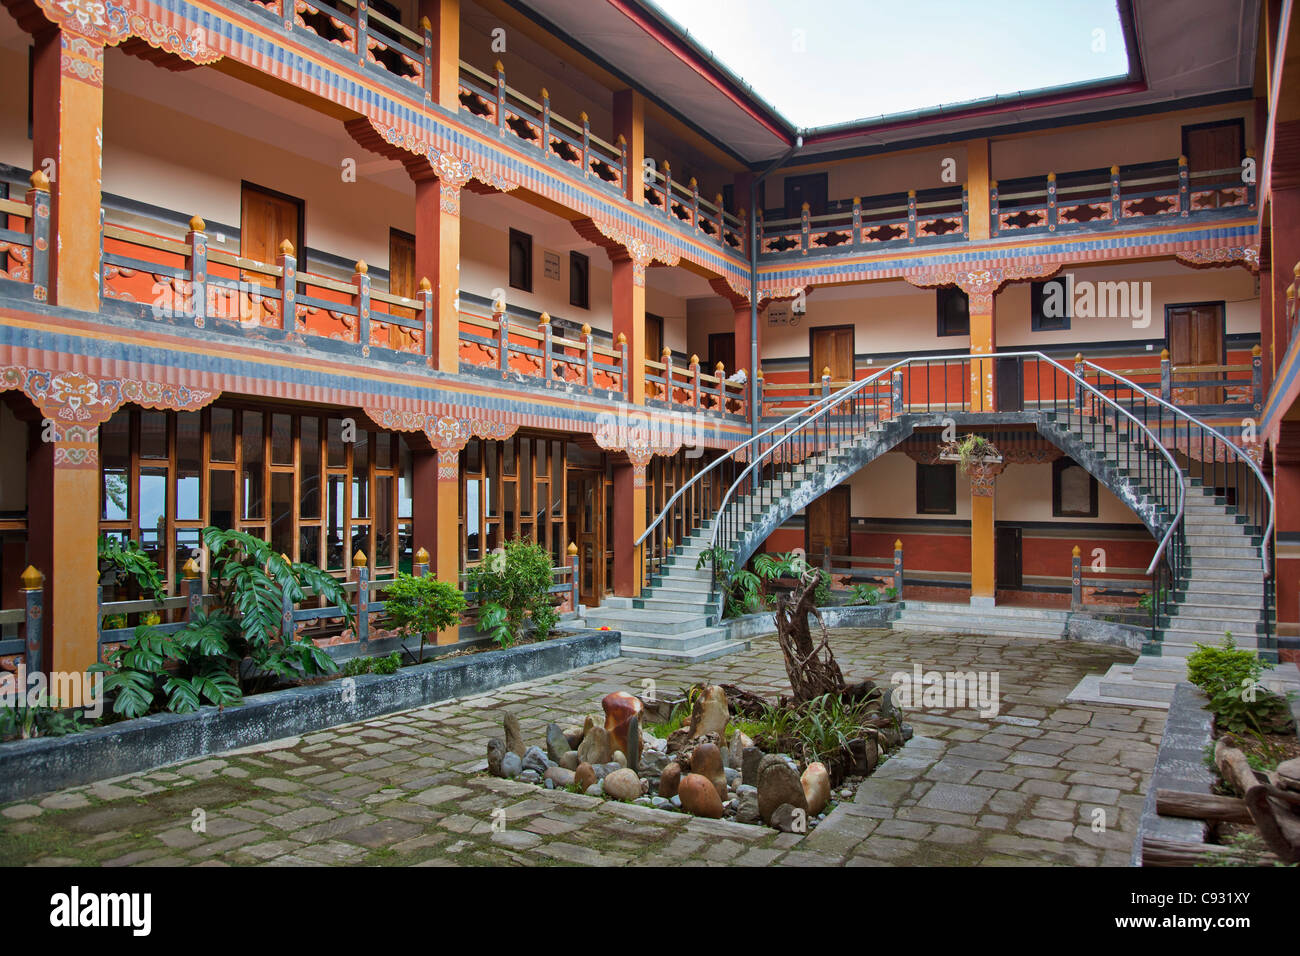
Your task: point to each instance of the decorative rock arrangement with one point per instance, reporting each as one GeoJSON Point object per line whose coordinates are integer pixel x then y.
{"type": "Point", "coordinates": [700, 769]}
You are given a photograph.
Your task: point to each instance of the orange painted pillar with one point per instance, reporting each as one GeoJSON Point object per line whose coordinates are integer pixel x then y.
{"type": "Point", "coordinates": [629, 125]}
{"type": "Point", "coordinates": [983, 341]}
{"type": "Point", "coordinates": [983, 573]}
{"type": "Point", "coordinates": [67, 119]}
{"type": "Point", "coordinates": [63, 529]}
{"type": "Point", "coordinates": [437, 258]}
{"type": "Point", "coordinates": [977, 187]}
{"type": "Point", "coordinates": [435, 516]}
{"type": "Point", "coordinates": [628, 287]}
{"type": "Point", "coordinates": [629, 524]}
{"type": "Point", "coordinates": [442, 19]}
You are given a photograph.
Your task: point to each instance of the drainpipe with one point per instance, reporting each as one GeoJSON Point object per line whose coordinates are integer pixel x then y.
{"type": "Point", "coordinates": [754, 411]}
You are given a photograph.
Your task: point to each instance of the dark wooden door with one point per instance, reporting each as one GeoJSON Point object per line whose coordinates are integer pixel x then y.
{"type": "Point", "coordinates": [266, 219]}
{"type": "Point", "coordinates": [1213, 146]}
{"type": "Point", "coordinates": [1009, 376]}
{"type": "Point", "coordinates": [832, 347]}
{"type": "Point", "coordinates": [828, 525]}
{"type": "Point", "coordinates": [1006, 545]}
{"type": "Point", "coordinates": [812, 189]}
{"type": "Point", "coordinates": [1196, 339]}
{"type": "Point", "coordinates": [722, 348]}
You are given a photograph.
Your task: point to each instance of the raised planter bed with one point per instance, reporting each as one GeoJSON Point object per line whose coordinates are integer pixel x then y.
{"type": "Point", "coordinates": [29, 767]}
{"type": "Point", "coordinates": [846, 615]}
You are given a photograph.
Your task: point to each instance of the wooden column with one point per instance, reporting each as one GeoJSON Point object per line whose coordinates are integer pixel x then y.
{"type": "Point", "coordinates": [437, 256]}
{"type": "Point", "coordinates": [1286, 493]}
{"type": "Point", "coordinates": [629, 317]}
{"type": "Point", "coordinates": [743, 344]}
{"type": "Point", "coordinates": [629, 122]}
{"type": "Point", "coordinates": [629, 524]}
{"type": "Point", "coordinates": [983, 341]}
{"type": "Point", "coordinates": [67, 117]}
{"type": "Point", "coordinates": [977, 187]}
{"type": "Point", "coordinates": [983, 572]}
{"type": "Point", "coordinates": [63, 529]}
{"type": "Point", "coordinates": [444, 27]}
{"type": "Point", "coordinates": [435, 517]}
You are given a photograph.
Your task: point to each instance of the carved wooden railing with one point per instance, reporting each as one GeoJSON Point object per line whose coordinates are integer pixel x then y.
{"type": "Point", "coordinates": [689, 388]}
{"type": "Point", "coordinates": [894, 219]}
{"type": "Point", "coordinates": [1100, 198]}
{"type": "Point", "coordinates": [187, 283]}
{"type": "Point", "coordinates": [682, 202]}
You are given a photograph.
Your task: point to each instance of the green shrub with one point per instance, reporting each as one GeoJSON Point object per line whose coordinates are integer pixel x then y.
{"type": "Point", "coordinates": [513, 587]}
{"type": "Point", "coordinates": [772, 568]}
{"type": "Point", "coordinates": [389, 664]}
{"type": "Point", "coordinates": [422, 605]}
{"type": "Point", "coordinates": [41, 718]}
{"type": "Point", "coordinates": [742, 591]}
{"type": "Point", "coordinates": [1230, 677]}
{"type": "Point", "coordinates": [135, 562]}
{"type": "Point", "coordinates": [866, 594]}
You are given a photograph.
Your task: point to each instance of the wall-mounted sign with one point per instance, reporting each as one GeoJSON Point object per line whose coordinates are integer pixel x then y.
{"type": "Point", "coordinates": [551, 262]}
{"type": "Point", "coordinates": [779, 314]}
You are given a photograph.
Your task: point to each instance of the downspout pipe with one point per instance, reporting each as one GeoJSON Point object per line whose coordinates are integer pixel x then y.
{"type": "Point", "coordinates": [754, 411]}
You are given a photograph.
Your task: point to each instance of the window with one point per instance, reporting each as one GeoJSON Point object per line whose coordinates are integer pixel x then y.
{"type": "Point", "coordinates": [579, 287]}
{"type": "Point", "coordinates": [1050, 304]}
{"type": "Point", "coordinates": [936, 489]}
{"type": "Point", "coordinates": [1074, 491]}
{"type": "Point", "coordinates": [521, 260]}
{"type": "Point", "coordinates": [954, 311]}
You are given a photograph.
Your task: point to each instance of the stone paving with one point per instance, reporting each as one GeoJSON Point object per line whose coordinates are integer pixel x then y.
{"type": "Point", "coordinates": [1031, 785]}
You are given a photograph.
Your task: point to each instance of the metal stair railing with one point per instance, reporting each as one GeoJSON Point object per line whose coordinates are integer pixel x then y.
{"type": "Point", "coordinates": [1212, 458]}
{"type": "Point", "coordinates": [818, 426]}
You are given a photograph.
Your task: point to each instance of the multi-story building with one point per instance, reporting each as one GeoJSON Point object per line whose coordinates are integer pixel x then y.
{"type": "Point", "coordinates": [369, 278]}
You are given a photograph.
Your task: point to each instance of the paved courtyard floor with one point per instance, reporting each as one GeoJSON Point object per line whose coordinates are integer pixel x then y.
{"type": "Point", "coordinates": [1042, 782]}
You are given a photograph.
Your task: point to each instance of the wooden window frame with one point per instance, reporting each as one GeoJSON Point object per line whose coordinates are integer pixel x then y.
{"type": "Point", "coordinates": [1041, 323]}
{"type": "Point", "coordinates": [526, 240]}
{"type": "Point", "coordinates": [1238, 122]}
{"type": "Point", "coordinates": [941, 325]}
{"type": "Point", "coordinates": [583, 300]}
{"type": "Point", "coordinates": [1058, 466]}
{"type": "Point", "coordinates": [920, 489]}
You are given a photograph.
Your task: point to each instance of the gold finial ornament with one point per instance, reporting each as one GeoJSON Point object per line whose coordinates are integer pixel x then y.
{"type": "Point", "coordinates": [197, 224]}
{"type": "Point", "coordinates": [695, 360]}
{"type": "Point", "coordinates": [422, 556]}
{"type": "Point", "coordinates": [1076, 552]}
{"type": "Point", "coordinates": [286, 247]}
{"type": "Point", "coordinates": [898, 544]}
{"type": "Point", "coordinates": [622, 339]}
{"type": "Point", "coordinates": [826, 371]}
{"type": "Point", "coordinates": [586, 329]}
{"type": "Point", "coordinates": [190, 569]}
{"type": "Point", "coordinates": [31, 579]}
{"type": "Point", "coordinates": [425, 284]}
{"type": "Point", "coordinates": [359, 559]}
{"type": "Point", "coordinates": [361, 268]}
{"type": "Point", "coordinates": [1164, 355]}
{"type": "Point", "coordinates": [544, 319]}
{"type": "Point", "coordinates": [573, 548]}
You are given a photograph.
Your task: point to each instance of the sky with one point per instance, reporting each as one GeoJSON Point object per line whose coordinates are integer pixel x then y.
{"type": "Point", "coordinates": [822, 62]}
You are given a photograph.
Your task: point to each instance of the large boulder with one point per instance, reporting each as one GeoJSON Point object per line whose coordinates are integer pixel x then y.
{"type": "Point", "coordinates": [778, 783]}
{"type": "Point", "coordinates": [514, 738]}
{"type": "Point", "coordinates": [595, 747]}
{"type": "Point", "coordinates": [620, 709]}
{"type": "Point", "coordinates": [706, 760]}
{"type": "Point", "coordinates": [866, 754]}
{"type": "Point", "coordinates": [816, 783]}
{"type": "Point", "coordinates": [736, 749]}
{"type": "Point", "coordinates": [699, 797]}
{"type": "Point", "coordinates": [623, 784]}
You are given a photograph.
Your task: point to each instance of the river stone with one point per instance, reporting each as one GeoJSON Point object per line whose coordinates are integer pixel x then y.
{"type": "Point", "coordinates": [530, 776]}
{"type": "Point", "coordinates": [632, 745]}
{"type": "Point", "coordinates": [866, 754]}
{"type": "Point", "coordinates": [569, 760]}
{"type": "Point", "coordinates": [706, 760]}
{"type": "Point", "coordinates": [620, 708]}
{"type": "Point", "coordinates": [778, 783]}
{"type": "Point", "coordinates": [594, 790]}
{"type": "Point", "coordinates": [584, 777]}
{"type": "Point", "coordinates": [618, 758]}
{"type": "Point", "coordinates": [511, 765]}
{"type": "Point", "coordinates": [816, 784]}
{"type": "Point", "coordinates": [573, 735]}
{"type": "Point", "coordinates": [670, 780]}
{"type": "Point", "coordinates": [557, 745]}
{"type": "Point", "coordinates": [699, 796]}
{"type": "Point", "coordinates": [747, 804]}
{"type": "Point", "coordinates": [535, 760]}
{"type": "Point", "coordinates": [652, 763]}
{"type": "Point", "coordinates": [559, 776]}
{"type": "Point", "coordinates": [514, 738]}
{"type": "Point", "coordinates": [790, 819]}
{"type": "Point", "coordinates": [1288, 774]}
{"type": "Point", "coordinates": [712, 713]}
{"type": "Point", "coordinates": [749, 766]}
{"type": "Point", "coordinates": [732, 775]}
{"type": "Point", "coordinates": [623, 784]}
{"type": "Point", "coordinates": [736, 749]}
{"type": "Point", "coordinates": [595, 747]}
{"type": "Point", "coordinates": [496, 749]}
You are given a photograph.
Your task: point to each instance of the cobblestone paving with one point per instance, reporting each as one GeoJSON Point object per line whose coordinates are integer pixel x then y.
{"type": "Point", "coordinates": [1024, 787]}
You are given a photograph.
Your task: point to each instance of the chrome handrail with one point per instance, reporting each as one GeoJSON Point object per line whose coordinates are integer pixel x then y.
{"type": "Point", "coordinates": [1237, 449]}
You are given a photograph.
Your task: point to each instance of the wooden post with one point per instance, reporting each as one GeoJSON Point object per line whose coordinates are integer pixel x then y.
{"type": "Point", "coordinates": [667, 357]}
{"type": "Point", "coordinates": [668, 190]}
{"type": "Point", "coordinates": [38, 197]}
{"type": "Point", "coordinates": [198, 241]}
{"type": "Point", "coordinates": [898, 568]}
{"type": "Point", "coordinates": [503, 335]}
{"type": "Point", "coordinates": [546, 122]}
{"type": "Point", "coordinates": [1115, 204]}
{"type": "Point", "coordinates": [193, 582]}
{"type": "Point", "coordinates": [427, 26]}
{"type": "Point", "coordinates": [421, 566]}
{"type": "Point", "coordinates": [1166, 376]}
{"type": "Point", "coordinates": [1256, 379]}
{"type": "Point", "coordinates": [32, 584]}
{"type": "Point", "coordinates": [501, 99]}
{"type": "Point", "coordinates": [1076, 579]}
{"type": "Point", "coordinates": [361, 279]}
{"type": "Point", "coordinates": [286, 617]}
{"type": "Point", "coordinates": [856, 239]}
{"type": "Point", "coordinates": [1184, 187]}
{"type": "Point", "coordinates": [965, 211]}
{"type": "Point", "coordinates": [573, 574]}
{"type": "Point", "coordinates": [826, 381]}
{"type": "Point", "coordinates": [1051, 202]}
{"type": "Point", "coordinates": [722, 220]}
{"type": "Point", "coordinates": [994, 221]}
{"type": "Point", "coordinates": [911, 216]}
{"type": "Point", "coordinates": [695, 203]}
{"type": "Point", "coordinates": [622, 364]}
{"type": "Point", "coordinates": [896, 387]}
{"type": "Point", "coordinates": [586, 144]}
{"type": "Point", "coordinates": [588, 339]}
{"type": "Point", "coordinates": [287, 282]}
{"type": "Point", "coordinates": [425, 295]}
{"type": "Point", "coordinates": [362, 41]}
{"type": "Point", "coordinates": [544, 323]}
{"type": "Point", "coordinates": [1252, 187]}
{"type": "Point", "coordinates": [758, 395]}
{"type": "Point", "coordinates": [623, 164]}
{"type": "Point", "coordinates": [695, 381]}
{"type": "Point", "coordinates": [805, 226]}
{"type": "Point", "coordinates": [361, 574]}
{"type": "Point", "coordinates": [1078, 386]}
{"type": "Point", "coordinates": [720, 371]}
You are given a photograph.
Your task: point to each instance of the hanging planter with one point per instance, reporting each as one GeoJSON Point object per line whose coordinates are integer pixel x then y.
{"type": "Point", "coordinates": [971, 452]}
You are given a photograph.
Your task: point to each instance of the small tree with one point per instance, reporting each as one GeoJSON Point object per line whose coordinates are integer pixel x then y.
{"type": "Point", "coordinates": [422, 605]}
{"type": "Point", "coordinates": [513, 586]}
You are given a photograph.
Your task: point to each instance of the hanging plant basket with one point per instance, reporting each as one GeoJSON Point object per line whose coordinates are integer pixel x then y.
{"type": "Point", "coordinates": [970, 451]}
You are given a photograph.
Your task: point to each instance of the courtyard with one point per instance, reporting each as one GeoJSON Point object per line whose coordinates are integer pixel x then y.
{"type": "Point", "coordinates": [1041, 782]}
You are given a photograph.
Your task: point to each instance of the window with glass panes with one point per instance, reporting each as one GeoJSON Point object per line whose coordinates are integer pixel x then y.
{"type": "Point", "coordinates": [511, 488]}
{"type": "Point", "coordinates": [319, 488]}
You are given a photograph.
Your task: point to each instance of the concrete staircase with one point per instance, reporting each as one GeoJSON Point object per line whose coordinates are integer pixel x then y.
{"type": "Point", "coordinates": [677, 617]}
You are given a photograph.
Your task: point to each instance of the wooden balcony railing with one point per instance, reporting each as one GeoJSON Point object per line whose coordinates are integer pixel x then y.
{"type": "Point", "coordinates": [681, 201]}
{"type": "Point", "coordinates": [688, 387]}
{"type": "Point", "coordinates": [181, 283]}
{"type": "Point", "coordinates": [25, 238]}
{"type": "Point", "coordinates": [937, 214]}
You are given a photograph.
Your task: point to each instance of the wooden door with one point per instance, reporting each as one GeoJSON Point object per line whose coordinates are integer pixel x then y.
{"type": "Point", "coordinates": [722, 348]}
{"type": "Point", "coordinates": [401, 281]}
{"type": "Point", "coordinates": [1195, 333]}
{"type": "Point", "coordinates": [1212, 146]}
{"type": "Point", "coordinates": [831, 347]}
{"type": "Point", "coordinates": [812, 189]}
{"type": "Point", "coordinates": [586, 508]}
{"type": "Point", "coordinates": [828, 525]}
{"type": "Point", "coordinates": [1008, 568]}
{"type": "Point", "coordinates": [1009, 380]}
{"type": "Point", "coordinates": [266, 219]}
